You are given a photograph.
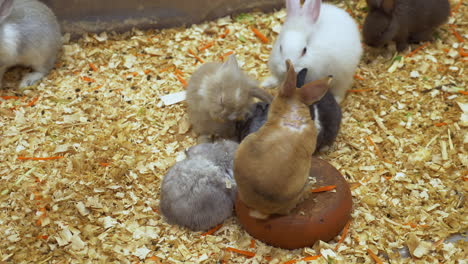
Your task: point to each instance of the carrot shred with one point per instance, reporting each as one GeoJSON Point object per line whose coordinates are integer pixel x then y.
{"type": "Point", "coordinates": [462, 52]}
{"type": "Point", "coordinates": [167, 69]}
{"type": "Point", "coordinates": [374, 257]}
{"type": "Point", "coordinates": [455, 9]}
{"type": "Point", "coordinates": [252, 243]}
{"type": "Point", "coordinates": [38, 222]}
{"type": "Point", "coordinates": [463, 92]}
{"type": "Point", "coordinates": [212, 230]}
{"type": "Point", "coordinates": [87, 79]}
{"type": "Point", "coordinates": [104, 164]}
{"type": "Point", "coordinates": [465, 178]}
{"type": "Point", "coordinates": [416, 50]}
{"type": "Point", "coordinates": [343, 234]}
{"type": "Point", "coordinates": [292, 261]}
{"type": "Point", "coordinates": [259, 35]}
{"type": "Point", "coordinates": [6, 97]}
{"type": "Point", "coordinates": [455, 33]}
{"type": "Point", "coordinates": [377, 151]}
{"type": "Point", "coordinates": [93, 67]}
{"type": "Point", "coordinates": [195, 55]}
{"type": "Point", "coordinates": [134, 74]}
{"type": "Point", "coordinates": [312, 257]}
{"type": "Point", "coordinates": [323, 189]}
{"type": "Point", "coordinates": [156, 210]}
{"type": "Point", "coordinates": [242, 252]}
{"type": "Point", "coordinates": [358, 77]}
{"type": "Point", "coordinates": [33, 101]}
{"type": "Point", "coordinates": [184, 83]}
{"type": "Point", "coordinates": [228, 53]}
{"type": "Point", "coordinates": [226, 32]}
{"type": "Point", "coordinates": [207, 46]}
{"type": "Point", "coordinates": [179, 72]}
{"type": "Point", "coordinates": [35, 158]}
{"type": "Point", "coordinates": [358, 90]}
{"type": "Point", "coordinates": [147, 71]}
{"type": "Point", "coordinates": [440, 124]}
{"type": "Point", "coordinates": [42, 237]}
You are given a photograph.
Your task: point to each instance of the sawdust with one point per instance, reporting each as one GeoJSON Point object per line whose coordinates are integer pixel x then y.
{"type": "Point", "coordinates": [99, 114]}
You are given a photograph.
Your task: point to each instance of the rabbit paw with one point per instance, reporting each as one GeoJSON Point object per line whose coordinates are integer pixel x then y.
{"type": "Point", "coordinates": [31, 78]}
{"type": "Point", "coordinates": [270, 82]}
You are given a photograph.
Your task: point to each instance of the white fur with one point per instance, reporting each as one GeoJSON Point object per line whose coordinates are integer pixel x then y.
{"type": "Point", "coordinates": [8, 49]}
{"type": "Point", "coordinates": [317, 123]}
{"type": "Point", "coordinates": [203, 90]}
{"type": "Point", "coordinates": [333, 47]}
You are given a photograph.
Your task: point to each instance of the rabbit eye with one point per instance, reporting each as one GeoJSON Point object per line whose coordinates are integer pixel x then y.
{"type": "Point", "coordinates": [304, 51]}
{"type": "Point", "coordinates": [281, 49]}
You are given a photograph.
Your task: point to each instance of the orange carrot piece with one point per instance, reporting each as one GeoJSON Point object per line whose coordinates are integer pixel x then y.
{"type": "Point", "coordinates": [374, 257]}
{"type": "Point", "coordinates": [343, 234]}
{"type": "Point", "coordinates": [323, 189]}
{"type": "Point", "coordinates": [179, 72]}
{"type": "Point", "coordinates": [440, 124]}
{"type": "Point", "coordinates": [228, 53]}
{"type": "Point", "coordinates": [259, 35]}
{"type": "Point", "coordinates": [87, 79]}
{"type": "Point", "coordinates": [93, 67]}
{"type": "Point", "coordinates": [455, 33]}
{"type": "Point", "coordinates": [207, 46]}
{"type": "Point", "coordinates": [226, 32]}
{"type": "Point", "coordinates": [312, 257]}
{"type": "Point", "coordinates": [42, 237]}
{"type": "Point", "coordinates": [167, 69]}
{"type": "Point", "coordinates": [104, 164]}
{"type": "Point", "coordinates": [358, 77]}
{"type": "Point", "coordinates": [462, 52]}
{"type": "Point", "coordinates": [416, 50]}
{"type": "Point", "coordinates": [147, 71]}
{"type": "Point", "coordinates": [292, 261]}
{"type": "Point", "coordinates": [34, 158]}
{"type": "Point", "coordinates": [38, 222]}
{"type": "Point", "coordinates": [377, 151]}
{"type": "Point", "coordinates": [358, 90]}
{"type": "Point", "coordinates": [212, 230]}
{"type": "Point", "coordinates": [33, 101]}
{"type": "Point", "coordinates": [184, 83]}
{"type": "Point", "coordinates": [242, 252]}
{"type": "Point", "coordinates": [252, 243]}
{"type": "Point", "coordinates": [134, 74]}
{"type": "Point", "coordinates": [465, 178]}
{"type": "Point", "coordinates": [455, 9]}
{"type": "Point", "coordinates": [195, 55]}
{"type": "Point", "coordinates": [463, 92]}
{"type": "Point", "coordinates": [6, 97]}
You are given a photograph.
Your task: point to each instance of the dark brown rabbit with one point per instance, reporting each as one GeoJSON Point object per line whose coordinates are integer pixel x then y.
{"type": "Point", "coordinates": [404, 21]}
{"type": "Point", "coordinates": [271, 166]}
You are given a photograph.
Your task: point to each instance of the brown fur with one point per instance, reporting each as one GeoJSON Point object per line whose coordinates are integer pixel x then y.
{"type": "Point", "coordinates": [271, 166]}
{"type": "Point", "coordinates": [218, 94]}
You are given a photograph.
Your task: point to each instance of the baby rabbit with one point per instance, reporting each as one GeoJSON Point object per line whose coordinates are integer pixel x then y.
{"type": "Point", "coordinates": [29, 36]}
{"type": "Point", "coordinates": [320, 37]}
{"type": "Point", "coordinates": [218, 94]}
{"type": "Point", "coordinates": [326, 114]}
{"type": "Point", "coordinates": [271, 166]}
{"type": "Point", "coordinates": [199, 192]}
{"type": "Point", "coordinates": [403, 21]}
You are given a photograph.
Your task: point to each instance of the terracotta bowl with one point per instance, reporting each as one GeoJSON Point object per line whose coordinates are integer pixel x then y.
{"type": "Point", "coordinates": [321, 217]}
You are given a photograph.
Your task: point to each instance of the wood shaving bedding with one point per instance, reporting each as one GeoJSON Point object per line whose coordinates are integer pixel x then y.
{"type": "Point", "coordinates": [102, 139]}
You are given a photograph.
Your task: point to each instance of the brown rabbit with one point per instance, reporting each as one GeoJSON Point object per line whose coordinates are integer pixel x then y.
{"type": "Point", "coordinates": [271, 166]}
{"type": "Point", "coordinates": [218, 94]}
{"type": "Point", "coordinates": [403, 21]}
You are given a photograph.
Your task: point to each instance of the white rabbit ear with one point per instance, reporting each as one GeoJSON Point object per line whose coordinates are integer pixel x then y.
{"type": "Point", "coordinates": [293, 7]}
{"type": "Point", "coordinates": [5, 9]}
{"type": "Point", "coordinates": [311, 9]}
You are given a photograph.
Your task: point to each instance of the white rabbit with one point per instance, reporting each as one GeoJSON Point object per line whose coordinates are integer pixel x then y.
{"type": "Point", "coordinates": [320, 37]}
{"type": "Point", "coordinates": [29, 36]}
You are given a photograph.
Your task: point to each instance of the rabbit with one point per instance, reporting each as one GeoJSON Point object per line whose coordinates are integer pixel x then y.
{"type": "Point", "coordinates": [218, 94]}
{"type": "Point", "coordinates": [320, 37]}
{"type": "Point", "coordinates": [403, 21]}
{"type": "Point", "coordinates": [29, 36]}
{"type": "Point", "coordinates": [271, 166]}
{"type": "Point", "coordinates": [199, 192]}
{"type": "Point", "coordinates": [326, 114]}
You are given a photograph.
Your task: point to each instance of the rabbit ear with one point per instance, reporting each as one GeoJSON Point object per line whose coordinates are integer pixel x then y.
{"type": "Point", "coordinates": [314, 91]}
{"type": "Point", "coordinates": [293, 7]}
{"type": "Point", "coordinates": [311, 9]}
{"type": "Point", "coordinates": [5, 9]}
{"type": "Point", "coordinates": [289, 86]}
{"type": "Point", "coordinates": [388, 5]}
{"type": "Point", "coordinates": [231, 63]}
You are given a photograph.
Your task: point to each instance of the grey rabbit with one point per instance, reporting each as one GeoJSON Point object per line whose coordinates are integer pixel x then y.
{"type": "Point", "coordinates": [326, 113]}
{"type": "Point", "coordinates": [199, 192]}
{"type": "Point", "coordinates": [29, 36]}
{"type": "Point", "coordinates": [404, 21]}
{"type": "Point", "coordinates": [218, 94]}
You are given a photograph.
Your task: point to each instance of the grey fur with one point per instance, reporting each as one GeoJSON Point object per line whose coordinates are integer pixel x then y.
{"type": "Point", "coordinates": [194, 191]}
{"type": "Point", "coordinates": [29, 36]}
